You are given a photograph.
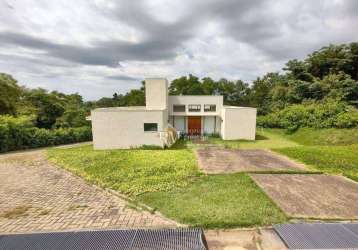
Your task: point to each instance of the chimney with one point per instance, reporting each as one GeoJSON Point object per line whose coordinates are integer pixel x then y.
{"type": "Point", "coordinates": [156, 93]}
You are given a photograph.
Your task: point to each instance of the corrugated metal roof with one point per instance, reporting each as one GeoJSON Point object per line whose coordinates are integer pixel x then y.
{"type": "Point", "coordinates": [109, 239]}
{"type": "Point", "coordinates": [319, 235]}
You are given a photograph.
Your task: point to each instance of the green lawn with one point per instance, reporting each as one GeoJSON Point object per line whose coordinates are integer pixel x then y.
{"type": "Point", "coordinates": [217, 201]}
{"type": "Point", "coordinates": [169, 180]}
{"type": "Point", "coordinates": [265, 139]}
{"type": "Point", "coordinates": [334, 160]}
{"type": "Point", "coordinates": [132, 171]}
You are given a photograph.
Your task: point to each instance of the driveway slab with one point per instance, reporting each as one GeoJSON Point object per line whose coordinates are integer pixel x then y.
{"type": "Point", "coordinates": [311, 195]}
{"type": "Point", "coordinates": [38, 196]}
{"type": "Point", "coordinates": [219, 160]}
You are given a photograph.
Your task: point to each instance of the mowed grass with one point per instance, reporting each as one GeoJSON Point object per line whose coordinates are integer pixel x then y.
{"type": "Point", "coordinates": [217, 201]}
{"type": "Point", "coordinates": [169, 181]}
{"type": "Point", "coordinates": [265, 139]}
{"type": "Point", "coordinates": [130, 172]}
{"type": "Point", "coordinates": [329, 159]}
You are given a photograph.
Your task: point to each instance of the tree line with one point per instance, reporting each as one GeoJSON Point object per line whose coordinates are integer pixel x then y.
{"type": "Point", "coordinates": [327, 76]}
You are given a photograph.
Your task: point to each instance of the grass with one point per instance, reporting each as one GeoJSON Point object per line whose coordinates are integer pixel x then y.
{"type": "Point", "coordinates": [322, 137]}
{"type": "Point", "coordinates": [329, 159]}
{"type": "Point", "coordinates": [130, 172]}
{"type": "Point", "coordinates": [169, 180]}
{"type": "Point", "coordinates": [265, 139]}
{"type": "Point", "coordinates": [217, 201]}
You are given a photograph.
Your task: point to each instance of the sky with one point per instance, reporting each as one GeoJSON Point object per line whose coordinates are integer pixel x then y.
{"type": "Point", "coordinates": [100, 47]}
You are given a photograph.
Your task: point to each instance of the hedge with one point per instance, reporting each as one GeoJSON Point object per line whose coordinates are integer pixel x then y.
{"type": "Point", "coordinates": [329, 114]}
{"type": "Point", "coordinates": [20, 133]}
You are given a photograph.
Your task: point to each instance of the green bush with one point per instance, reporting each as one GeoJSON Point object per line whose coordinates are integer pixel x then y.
{"type": "Point", "coordinates": [328, 114]}
{"type": "Point", "coordinates": [20, 133]}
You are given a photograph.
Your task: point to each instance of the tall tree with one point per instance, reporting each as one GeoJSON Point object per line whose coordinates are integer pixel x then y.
{"type": "Point", "coordinates": [10, 94]}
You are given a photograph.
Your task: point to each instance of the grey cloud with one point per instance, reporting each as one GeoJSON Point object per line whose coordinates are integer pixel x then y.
{"type": "Point", "coordinates": [123, 78]}
{"type": "Point", "coordinates": [107, 53]}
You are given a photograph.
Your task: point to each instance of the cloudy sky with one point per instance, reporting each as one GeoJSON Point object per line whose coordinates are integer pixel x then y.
{"type": "Point", "coordinates": [100, 47]}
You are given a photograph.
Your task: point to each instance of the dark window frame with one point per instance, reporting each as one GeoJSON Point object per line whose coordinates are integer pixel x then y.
{"type": "Point", "coordinates": [181, 106]}
{"type": "Point", "coordinates": [154, 127]}
{"type": "Point", "coordinates": [190, 107]}
{"type": "Point", "coordinates": [210, 108]}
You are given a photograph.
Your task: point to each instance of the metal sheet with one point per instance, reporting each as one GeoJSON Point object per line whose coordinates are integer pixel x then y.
{"type": "Point", "coordinates": [318, 235]}
{"type": "Point", "coordinates": [109, 239]}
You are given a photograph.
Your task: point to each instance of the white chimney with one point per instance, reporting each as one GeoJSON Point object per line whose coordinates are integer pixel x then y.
{"type": "Point", "coordinates": [156, 93]}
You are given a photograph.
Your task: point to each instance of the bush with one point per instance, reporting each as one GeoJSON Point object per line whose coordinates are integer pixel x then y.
{"type": "Point", "coordinates": [328, 114]}
{"type": "Point", "coordinates": [20, 133]}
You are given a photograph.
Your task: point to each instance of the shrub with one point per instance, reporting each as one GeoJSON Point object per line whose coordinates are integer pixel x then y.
{"type": "Point", "coordinates": [20, 133]}
{"type": "Point", "coordinates": [325, 114]}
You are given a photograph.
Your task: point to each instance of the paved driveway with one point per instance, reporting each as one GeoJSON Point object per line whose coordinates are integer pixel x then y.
{"type": "Point", "coordinates": [312, 195]}
{"type": "Point", "coordinates": [37, 196]}
{"type": "Point", "coordinates": [219, 160]}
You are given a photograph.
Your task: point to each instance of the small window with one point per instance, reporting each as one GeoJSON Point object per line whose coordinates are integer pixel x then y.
{"type": "Point", "coordinates": [150, 126]}
{"type": "Point", "coordinates": [179, 108]}
{"type": "Point", "coordinates": [209, 108]}
{"type": "Point", "coordinates": [194, 108]}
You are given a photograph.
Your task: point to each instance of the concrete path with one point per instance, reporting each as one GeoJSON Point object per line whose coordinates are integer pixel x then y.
{"type": "Point", "coordinates": [244, 239]}
{"type": "Point", "coordinates": [311, 195]}
{"type": "Point", "coordinates": [38, 196]}
{"type": "Point", "coordinates": [215, 160]}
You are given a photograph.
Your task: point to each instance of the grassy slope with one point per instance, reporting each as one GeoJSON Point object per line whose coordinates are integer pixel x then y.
{"type": "Point", "coordinates": [217, 201]}
{"type": "Point", "coordinates": [268, 138]}
{"type": "Point", "coordinates": [129, 171]}
{"type": "Point", "coordinates": [169, 180]}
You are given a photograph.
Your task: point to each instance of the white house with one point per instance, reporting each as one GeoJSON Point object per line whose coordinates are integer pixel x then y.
{"type": "Point", "coordinates": [126, 127]}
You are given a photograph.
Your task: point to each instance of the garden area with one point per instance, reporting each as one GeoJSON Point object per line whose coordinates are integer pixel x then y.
{"type": "Point", "coordinates": [169, 180]}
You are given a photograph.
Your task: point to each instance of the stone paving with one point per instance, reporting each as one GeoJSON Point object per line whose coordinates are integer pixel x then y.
{"type": "Point", "coordinates": [38, 196]}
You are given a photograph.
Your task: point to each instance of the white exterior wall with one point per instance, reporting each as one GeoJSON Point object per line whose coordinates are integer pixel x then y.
{"type": "Point", "coordinates": [156, 93]}
{"type": "Point", "coordinates": [125, 128]}
{"type": "Point", "coordinates": [238, 123]}
{"type": "Point", "coordinates": [195, 99]}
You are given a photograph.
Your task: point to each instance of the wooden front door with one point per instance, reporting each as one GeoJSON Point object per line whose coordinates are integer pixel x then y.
{"type": "Point", "coordinates": [194, 125]}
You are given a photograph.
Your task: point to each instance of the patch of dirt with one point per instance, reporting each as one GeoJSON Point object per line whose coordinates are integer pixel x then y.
{"type": "Point", "coordinates": [16, 212]}
{"type": "Point", "coordinates": [220, 160]}
{"type": "Point", "coordinates": [311, 195]}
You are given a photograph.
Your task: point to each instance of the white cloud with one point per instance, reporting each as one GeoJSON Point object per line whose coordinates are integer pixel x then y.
{"type": "Point", "coordinates": [100, 47]}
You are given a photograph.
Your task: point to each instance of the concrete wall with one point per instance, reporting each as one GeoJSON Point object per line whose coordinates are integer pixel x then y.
{"type": "Point", "coordinates": [156, 93]}
{"type": "Point", "coordinates": [238, 123]}
{"type": "Point", "coordinates": [116, 128]}
{"type": "Point", "coordinates": [198, 99]}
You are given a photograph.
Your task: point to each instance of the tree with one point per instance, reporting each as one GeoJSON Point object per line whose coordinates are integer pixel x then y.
{"type": "Point", "coordinates": [10, 94]}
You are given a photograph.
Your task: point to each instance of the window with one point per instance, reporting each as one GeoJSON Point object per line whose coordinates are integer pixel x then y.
{"type": "Point", "coordinates": [150, 126]}
{"type": "Point", "coordinates": [209, 107]}
{"type": "Point", "coordinates": [194, 108]}
{"type": "Point", "coordinates": [179, 108]}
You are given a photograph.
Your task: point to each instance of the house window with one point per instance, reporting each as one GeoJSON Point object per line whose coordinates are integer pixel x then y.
{"type": "Point", "coordinates": [179, 108]}
{"type": "Point", "coordinates": [194, 108]}
{"type": "Point", "coordinates": [209, 107]}
{"type": "Point", "coordinates": [150, 127]}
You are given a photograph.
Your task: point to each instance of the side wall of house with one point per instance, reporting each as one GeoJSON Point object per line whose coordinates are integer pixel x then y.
{"type": "Point", "coordinates": [125, 129]}
{"type": "Point", "coordinates": [238, 123]}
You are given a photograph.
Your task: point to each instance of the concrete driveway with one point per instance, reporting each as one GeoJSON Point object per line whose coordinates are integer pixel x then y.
{"type": "Point", "coordinates": [215, 160]}
{"type": "Point", "coordinates": [38, 196]}
{"type": "Point", "coordinates": [311, 195]}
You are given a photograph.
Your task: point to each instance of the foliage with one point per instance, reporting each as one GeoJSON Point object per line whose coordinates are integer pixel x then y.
{"type": "Point", "coordinates": [132, 171]}
{"type": "Point", "coordinates": [217, 201]}
{"type": "Point", "coordinates": [327, 114]}
{"type": "Point", "coordinates": [9, 94]}
{"type": "Point", "coordinates": [20, 133]}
